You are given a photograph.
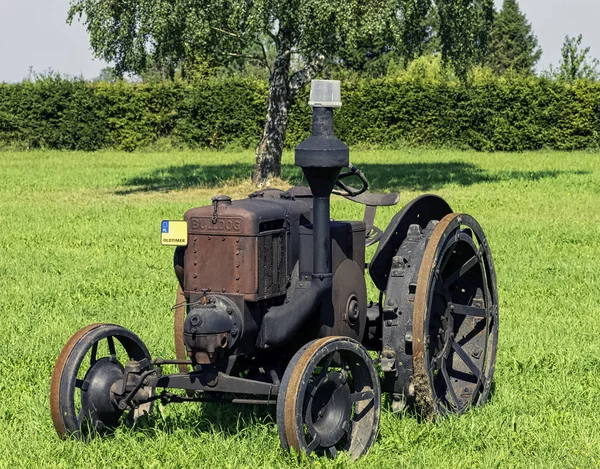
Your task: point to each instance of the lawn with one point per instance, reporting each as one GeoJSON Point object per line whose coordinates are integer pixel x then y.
{"type": "Point", "coordinates": [80, 244]}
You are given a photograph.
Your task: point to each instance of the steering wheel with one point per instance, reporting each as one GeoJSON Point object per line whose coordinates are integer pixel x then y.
{"type": "Point", "coordinates": [349, 191]}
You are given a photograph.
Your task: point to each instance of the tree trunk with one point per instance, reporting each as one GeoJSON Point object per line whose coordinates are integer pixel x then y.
{"type": "Point", "coordinates": [270, 148]}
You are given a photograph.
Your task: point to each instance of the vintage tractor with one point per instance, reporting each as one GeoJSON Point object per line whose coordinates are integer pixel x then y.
{"type": "Point", "coordinates": [272, 309]}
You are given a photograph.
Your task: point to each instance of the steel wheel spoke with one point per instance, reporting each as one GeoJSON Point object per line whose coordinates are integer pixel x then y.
{"type": "Point", "coordinates": [463, 269]}
{"type": "Point", "coordinates": [361, 396]}
{"type": "Point", "coordinates": [479, 326]}
{"type": "Point", "coordinates": [346, 427]}
{"type": "Point", "coordinates": [453, 395]}
{"type": "Point", "coordinates": [311, 427]}
{"type": "Point", "coordinates": [111, 349]}
{"type": "Point", "coordinates": [82, 384]}
{"type": "Point", "coordinates": [343, 363]}
{"type": "Point", "coordinates": [327, 364]}
{"type": "Point", "coordinates": [314, 444]}
{"type": "Point", "coordinates": [440, 289]}
{"type": "Point", "coordinates": [443, 256]}
{"type": "Point", "coordinates": [456, 239]}
{"type": "Point", "coordinates": [479, 386]}
{"type": "Point", "coordinates": [94, 353]}
{"type": "Point", "coordinates": [324, 368]}
{"type": "Point", "coordinates": [466, 359]}
{"type": "Point", "coordinates": [468, 310]}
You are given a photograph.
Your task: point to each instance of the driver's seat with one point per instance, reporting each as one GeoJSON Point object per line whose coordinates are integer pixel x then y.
{"type": "Point", "coordinates": [371, 202]}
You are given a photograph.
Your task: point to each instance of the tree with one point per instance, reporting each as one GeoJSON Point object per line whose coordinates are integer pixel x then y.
{"type": "Point", "coordinates": [107, 75]}
{"type": "Point", "coordinates": [459, 30]}
{"type": "Point", "coordinates": [305, 34]}
{"type": "Point", "coordinates": [464, 32]}
{"type": "Point", "coordinates": [513, 45]}
{"type": "Point", "coordinates": [413, 31]}
{"type": "Point", "coordinates": [575, 64]}
{"type": "Point", "coordinates": [402, 40]}
{"type": "Point", "coordinates": [370, 56]}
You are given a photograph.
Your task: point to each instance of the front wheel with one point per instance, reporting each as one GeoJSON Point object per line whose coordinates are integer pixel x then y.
{"type": "Point", "coordinates": [330, 399]}
{"type": "Point", "coordinates": [87, 367]}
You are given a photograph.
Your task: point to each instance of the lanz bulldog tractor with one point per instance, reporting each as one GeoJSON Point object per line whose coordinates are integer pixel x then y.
{"type": "Point", "coordinates": [272, 309]}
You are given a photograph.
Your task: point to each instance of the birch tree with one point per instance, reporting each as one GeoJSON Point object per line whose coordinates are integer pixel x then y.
{"type": "Point", "coordinates": [305, 34]}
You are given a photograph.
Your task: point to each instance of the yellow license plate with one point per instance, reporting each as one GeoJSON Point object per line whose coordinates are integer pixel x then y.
{"type": "Point", "coordinates": [173, 233]}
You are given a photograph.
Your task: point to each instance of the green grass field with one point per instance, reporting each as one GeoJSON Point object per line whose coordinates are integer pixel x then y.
{"type": "Point", "coordinates": [79, 243]}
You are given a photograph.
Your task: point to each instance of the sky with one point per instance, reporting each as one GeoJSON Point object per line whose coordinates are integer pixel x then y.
{"type": "Point", "coordinates": [34, 34]}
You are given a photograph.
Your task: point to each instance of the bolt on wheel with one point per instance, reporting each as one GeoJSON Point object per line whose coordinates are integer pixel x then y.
{"type": "Point", "coordinates": [329, 399]}
{"type": "Point", "coordinates": [455, 322]}
{"type": "Point", "coordinates": [86, 369]}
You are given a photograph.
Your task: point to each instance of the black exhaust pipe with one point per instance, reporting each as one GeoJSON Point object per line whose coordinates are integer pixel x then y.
{"type": "Point", "coordinates": [321, 157]}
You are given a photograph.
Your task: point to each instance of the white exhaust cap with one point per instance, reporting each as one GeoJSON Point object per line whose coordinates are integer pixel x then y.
{"type": "Point", "coordinates": [325, 93]}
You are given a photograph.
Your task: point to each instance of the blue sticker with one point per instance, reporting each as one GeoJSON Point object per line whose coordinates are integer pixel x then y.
{"type": "Point", "coordinates": [165, 226]}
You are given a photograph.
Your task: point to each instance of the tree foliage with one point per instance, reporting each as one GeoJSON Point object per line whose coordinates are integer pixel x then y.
{"type": "Point", "coordinates": [513, 45]}
{"type": "Point", "coordinates": [459, 31]}
{"type": "Point", "coordinates": [575, 62]}
{"type": "Point", "coordinates": [464, 31]}
{"type": "Point", "coordinates": [414, 31]}
{"type": "Point", "coordinates": [423, 106]}
{"type": "Point", "coordinates": [303, 34]}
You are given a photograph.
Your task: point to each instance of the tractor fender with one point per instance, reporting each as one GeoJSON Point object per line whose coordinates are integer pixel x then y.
{"type": "Point", "coordinates": [420, 211]}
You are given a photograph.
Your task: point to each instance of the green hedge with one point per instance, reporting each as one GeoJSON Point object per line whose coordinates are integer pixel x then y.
{"type": "Point", "coordinates": [488, 114]}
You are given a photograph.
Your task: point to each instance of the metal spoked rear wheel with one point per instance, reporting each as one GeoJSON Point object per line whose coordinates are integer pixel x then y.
{"type": "Point", "coordinates": [455, 322]}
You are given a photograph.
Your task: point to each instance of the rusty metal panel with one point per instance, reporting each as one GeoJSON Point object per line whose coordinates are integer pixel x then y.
{"type": "Point", "coordinates": [222, 264]}
{"type": "Point", "coordinates": [242, 217]}
{"type": "Point", "coordinates": [241, 247]}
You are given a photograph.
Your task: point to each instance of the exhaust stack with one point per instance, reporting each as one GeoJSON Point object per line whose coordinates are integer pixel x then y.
{"type": "Point", "coordinates": [322, 157]}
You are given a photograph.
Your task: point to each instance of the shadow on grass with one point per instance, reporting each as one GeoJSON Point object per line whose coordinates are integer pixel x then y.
{"type": "Point", "coordinates": [229, 420]}
{"type": "Point", "coordinates": [235, 420]}
{"type": "Point", "coordinates": [382, 177]}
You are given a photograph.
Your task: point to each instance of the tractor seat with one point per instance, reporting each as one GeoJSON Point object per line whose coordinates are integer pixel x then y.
{"type": "Point", "coordinates": [371, 202]}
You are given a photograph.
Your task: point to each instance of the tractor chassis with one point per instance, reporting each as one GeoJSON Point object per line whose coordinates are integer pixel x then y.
{"type": "Point", "coordinates": [203, 386]}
